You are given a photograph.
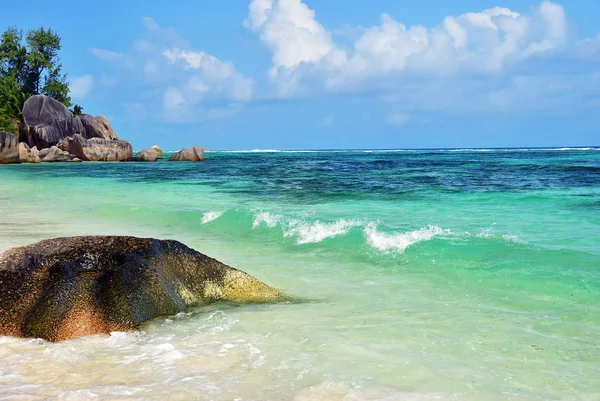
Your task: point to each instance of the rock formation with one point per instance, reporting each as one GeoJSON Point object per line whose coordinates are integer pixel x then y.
{"type": "Point", "coordinates": [97, 127]}
{"type": "Point", "coordinates": [97, 149]}
{"type": "Point", "coordinates": [193, 154]}
{"type": "Point", "coordinates": [158, 150]}
{"type": "Point", "coordinates": [46, 122]}
{"type": "Point", "coordinates": [54, 154]}
{"type": "Point", "coordinates": [29, 155]}
{"type": "Point", "coordinates": [148, 155]}
{"type": "Point", "coordinates": [9, 148]}
{"type": "Point", "coordinates": [69, 287]}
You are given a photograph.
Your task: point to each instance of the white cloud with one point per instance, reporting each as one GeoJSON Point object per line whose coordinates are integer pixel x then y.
{"type": "Point", "coordinates": [397, 119]}
{"type": "Point", "coordinates": [290, 30]}
{"type": "Point", "coordinates": [107, 55]}
{"type": "Point", "coordinates": [81, 86]}
{"type": "Point", "coordinates": [178, 80]}
{"type": "Point", "coordinates": [485, 42]}
{"type": "Point", "coordinates": [212, 74]}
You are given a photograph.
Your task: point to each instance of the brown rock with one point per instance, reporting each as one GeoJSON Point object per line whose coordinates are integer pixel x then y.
{"type": "Point", "coordinates": [27, 154]}
{"type": "Point", "coordinates": [158, 150]}
{"type": "Point", "coordinates": [54, 154]}
{"type": "Point", "coordinates": [9, 148]}
{"type": "Point", "coordinates": [193, 154]}
{"type": "Point", "coordinates": [147, 155]}
{"type": "Point", "coordinates": [69, 287]}
{"type": "Point", "coordinates": [96, 149]}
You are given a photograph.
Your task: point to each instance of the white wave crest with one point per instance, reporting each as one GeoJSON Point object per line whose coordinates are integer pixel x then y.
{"type": "Point", "coordinates": [210, 216]}
{"type": "Point", "coordinates": [266, 218]}
{"type": "Point", "coordinates": [317, 231]}
{"type": "Point", "coordinates": [398, 242]}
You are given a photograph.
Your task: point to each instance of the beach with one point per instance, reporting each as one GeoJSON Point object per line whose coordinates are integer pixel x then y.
{"type": "Point", "coordinates": [469, 274]}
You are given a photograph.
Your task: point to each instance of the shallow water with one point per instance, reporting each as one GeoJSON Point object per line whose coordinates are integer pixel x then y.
{"type": "Point", "coordinates": [419, 275]}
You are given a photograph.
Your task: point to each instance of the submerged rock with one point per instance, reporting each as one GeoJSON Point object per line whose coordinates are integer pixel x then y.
{"type": "Point", "coordinates": [193, 154]}
{"type": "Point", "coordinates": [9, 148]}
{"type": "Point", "coordinates": [69, 287]}
{"type": "Point", "coordinates": [97, 149]}
{"type": "Point", "coordinates": [47, 121]}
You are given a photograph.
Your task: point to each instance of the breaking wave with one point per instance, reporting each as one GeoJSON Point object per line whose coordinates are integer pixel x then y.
{"type": "Point", "coordinates": [210, 216]}
{"type": "Point", "coordinates": [363, 233]}
{"type": "Point", "coordinates": [398, 242]}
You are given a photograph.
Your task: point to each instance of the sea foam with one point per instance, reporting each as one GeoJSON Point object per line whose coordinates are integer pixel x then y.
{"type": "Point", "coordinates": [266, 218]}
{"type": "Point", "coordinates": [398, 242]}
{"type": "Point", "coordinates": [210, 216]}
{"type": "Point", "coordinates": [317, 231]}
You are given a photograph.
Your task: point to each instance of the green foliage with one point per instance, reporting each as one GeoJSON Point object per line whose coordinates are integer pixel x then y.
{"type": "Point", "coordinates": [29, 68]}
{"type": "Point", "coordinates": [11, 104]}
{"type": "Point", "coordinates": [77, 110]}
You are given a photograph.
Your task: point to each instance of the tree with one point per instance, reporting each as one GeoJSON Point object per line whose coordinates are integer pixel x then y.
{"type": "Point", "coordinates": [77, 110]}
{"type": "Point", "coordinates": [30, 68]}
{"type": "Point", "coordinates": [11, 105]}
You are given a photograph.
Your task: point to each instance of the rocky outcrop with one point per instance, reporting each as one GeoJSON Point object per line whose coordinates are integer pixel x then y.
{"type": "Point", "coordinates": [9, 148]}
{"type": "Point", "coordinates": [193, 154]}
{"type": "Point", "coordinates": [158, 150]}
{"type": "Point", "coordinates": [46, 122]}
{"type": "Point", "coordinates": [28, 155]}
{"type": "Point", "coordinates": [97, 127]}
{"type": "Point", "coordinates": [148, 155]}
{"type": "Point", "coordinates": [96, 149]}
{"type": "Point", "coordinates": [54, 154]}
{"type": "Point", "coordinates": [70, 287]}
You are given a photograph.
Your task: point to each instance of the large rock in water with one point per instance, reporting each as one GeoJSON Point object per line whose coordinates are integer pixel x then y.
{"type": "Point", "coordinates": [97, 127]}
{"type": "Point", "coordinates": [148, 155]}
{"type": "Point", "coordinates": [54, 154]}
{"type": "Point", "coordinates": [158, 150]}
{"type": "Point", "coordinates": [28, 155]}
{"type": "Point", "coordinates": [69, 287]}
{"type": "Point", "coordinates": [9, 148]}
{"type": "Point", "coordinates": [47, 121]}
{"type": "Point", "coordinates": [96, 149]}
{"type": "Point", "coordinates": [193, 154]}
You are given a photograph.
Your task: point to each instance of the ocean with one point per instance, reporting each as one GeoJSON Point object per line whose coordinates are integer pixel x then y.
{"type": "Point", "coordinates": [467, 274]}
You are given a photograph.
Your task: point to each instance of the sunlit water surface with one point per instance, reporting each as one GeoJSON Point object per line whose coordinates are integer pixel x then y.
{"type": "Point", "coordinates": [423, 275]}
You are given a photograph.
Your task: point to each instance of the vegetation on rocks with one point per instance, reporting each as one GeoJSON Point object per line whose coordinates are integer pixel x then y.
{"type": "Point", "coordinates": [29, 65]}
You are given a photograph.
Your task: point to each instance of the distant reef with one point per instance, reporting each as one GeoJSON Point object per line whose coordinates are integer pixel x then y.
{"type": "Point", "coordinates": [50, 132]}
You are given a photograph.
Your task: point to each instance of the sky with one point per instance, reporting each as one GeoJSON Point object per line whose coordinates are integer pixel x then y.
{"type": "Point", "coordinates": [332, 74]}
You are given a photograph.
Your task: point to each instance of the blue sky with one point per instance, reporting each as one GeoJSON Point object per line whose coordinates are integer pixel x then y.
{"type": "Point", "coordinates": [323, 74]}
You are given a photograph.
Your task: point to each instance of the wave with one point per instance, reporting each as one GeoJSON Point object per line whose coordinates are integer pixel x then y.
{"type": "Point", "coordinates": [577, 149]}
{"type": "Point", "coordinates": [398, 242]}
{"type": "Point", "coordinates": [266, 218]}
{"type": "Point", "coordinates": [363, 233]}
{"type": "Point", "coordinates": [316, 232]}
{"type": "Point", "coordinates": [487, 233]}
{"type": "Point", "coordinates": [211, 216]}
{"type": "Point", "coordinates": [305, 232]}
{"type": "Point", "coordinates": [410, 150]}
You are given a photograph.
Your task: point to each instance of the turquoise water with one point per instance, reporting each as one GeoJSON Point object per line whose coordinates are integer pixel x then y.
{"type": "Point", "coordinates": [418, 275]}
